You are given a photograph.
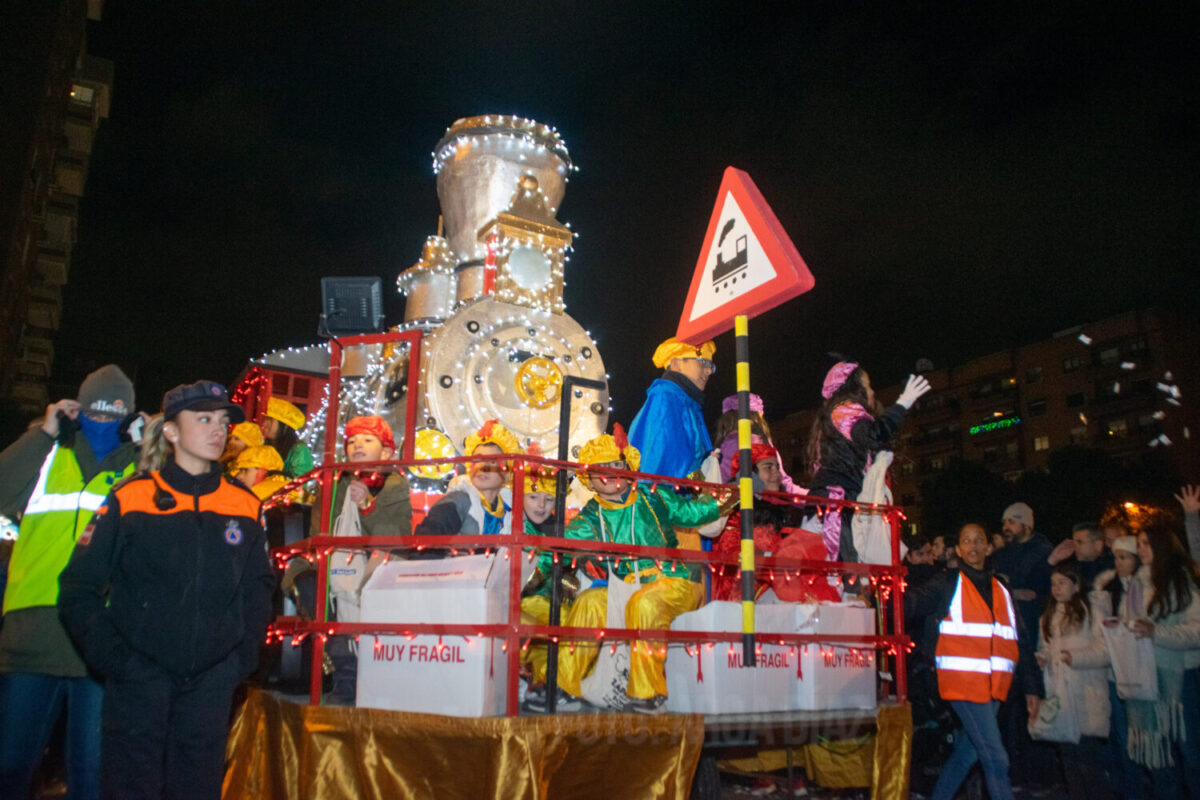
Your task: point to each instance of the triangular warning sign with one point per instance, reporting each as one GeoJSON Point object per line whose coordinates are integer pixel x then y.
{"type": "Point", "coordinates": [747, 264]}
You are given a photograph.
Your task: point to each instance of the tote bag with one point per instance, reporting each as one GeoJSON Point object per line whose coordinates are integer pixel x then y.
{"type": "Point", "coordinates": [1057, 719]}
{"type": "Point", "coordinates": [1133, 664]}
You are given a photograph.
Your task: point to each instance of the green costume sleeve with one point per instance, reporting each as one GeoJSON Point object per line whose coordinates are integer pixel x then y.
{"type": "Point", "coordinates": [581, 528]}
{"type": "Point", "coordinates": [689, 512]}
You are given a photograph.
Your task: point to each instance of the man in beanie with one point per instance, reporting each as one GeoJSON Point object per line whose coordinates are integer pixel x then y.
{"type": "Point", "coordinates": [669, 429]}
{"type": "Point", "coordinates": [56, 476]}
{"type": "Point", "coordinates": [1024, 565]}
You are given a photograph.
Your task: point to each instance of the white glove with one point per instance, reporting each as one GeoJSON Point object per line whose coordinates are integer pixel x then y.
{"type": "Point", "coordinates": [916, 386]}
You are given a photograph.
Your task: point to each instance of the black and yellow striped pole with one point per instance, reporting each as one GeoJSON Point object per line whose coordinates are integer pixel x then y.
{"type": "Point", "coordinates": [745, 485]}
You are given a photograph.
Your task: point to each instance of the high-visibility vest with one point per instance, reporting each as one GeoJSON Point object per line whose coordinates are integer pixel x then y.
{"type": "Point", "coordinates": [977, 646]}
{"type": "Point", "coordinates": [61, 506]}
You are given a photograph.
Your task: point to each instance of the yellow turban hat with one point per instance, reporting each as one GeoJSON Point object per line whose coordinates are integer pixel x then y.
{"type": "Point", "coordinates": [605, 448]}
{"type": "Point", "coordinates": [285, 412]}
{"type": "Point", "coordinates": [538, 478]}
{"type": "Point", "coordinates": [673, 348]}
{"type": "Point", "coordinates": [492, 432]}
{"type": "Point", "coordinates": [248, 432]}
{"type": "Point", "coordinates": [262, 456]}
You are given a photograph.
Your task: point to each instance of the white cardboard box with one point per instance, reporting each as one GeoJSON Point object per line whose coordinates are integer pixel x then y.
{"type": "Point", "coordinates": [451, 675]}
{"type": "Point", "coordinates": [825, 677]}
{"type": "Point", "coordinates": [841, 676]}
{"type": "Point", "coordinates": [726, 686]}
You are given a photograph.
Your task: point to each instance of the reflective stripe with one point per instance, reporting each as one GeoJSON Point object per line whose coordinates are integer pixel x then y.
{"type": "Point", "coordinates": [84, 501]}
{"type": "Point", "coordinates": [982, 630]}
{"type": "Point", "coordinates": [1005, 631]}
{"type": "Point", "coordinates": [43, 502]}
{"type": "Point", "coordinates": [965, 664]}
{"type": "Point", "coordinates": [1002, 664]}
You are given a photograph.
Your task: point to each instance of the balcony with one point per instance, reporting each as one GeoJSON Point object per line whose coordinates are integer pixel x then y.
{"type": "Point", "coordinates": [53, 265]}
{"type": "Point", "coordinates": [37, 357]}
{"type": "Point", "coordinates": [70, 173]}
{"type": "Point", "coordinates": [30, 395]}
{"type": "Point", "coordinates": [43, 313]}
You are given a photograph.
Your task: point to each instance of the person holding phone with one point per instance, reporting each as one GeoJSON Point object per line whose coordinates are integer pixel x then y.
{"type": "Point", "coordinates": [167, 596]}
{"type": "Point", "coordinates": [55, 477]}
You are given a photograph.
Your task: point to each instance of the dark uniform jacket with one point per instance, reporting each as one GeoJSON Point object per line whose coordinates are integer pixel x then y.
{"type": "Point", "coordinates": [183, 583]}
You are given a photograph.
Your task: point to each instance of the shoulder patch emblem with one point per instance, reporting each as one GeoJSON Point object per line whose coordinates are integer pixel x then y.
{"type": "Point", "coordinates": [233, 532]}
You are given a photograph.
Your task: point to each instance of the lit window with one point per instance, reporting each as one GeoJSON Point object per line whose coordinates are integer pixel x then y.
{"type": "Point", "coordinates": [1041, 443]}
{"type": "Point", "coordinates": [1012, 449]}
{"type": "Point", "coordinates": [1117, 429]}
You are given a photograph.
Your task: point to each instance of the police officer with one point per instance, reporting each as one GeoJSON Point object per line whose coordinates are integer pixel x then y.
{"type": "Point", "coordinates": [168, 595]}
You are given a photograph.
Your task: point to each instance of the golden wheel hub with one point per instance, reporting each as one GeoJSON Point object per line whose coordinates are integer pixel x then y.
{"type": "Point", "coordinates": [538, 382]}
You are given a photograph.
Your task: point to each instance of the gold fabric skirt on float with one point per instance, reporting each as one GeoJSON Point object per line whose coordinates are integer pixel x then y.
{"type": "Point", "coordinates": [284, 751]}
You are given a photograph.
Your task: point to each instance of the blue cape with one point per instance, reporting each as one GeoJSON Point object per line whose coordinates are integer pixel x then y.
{"type": "Point", "coordinates": [669, 432]}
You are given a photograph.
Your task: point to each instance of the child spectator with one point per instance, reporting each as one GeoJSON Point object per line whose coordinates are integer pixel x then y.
{"type": "Point", "coordinates": [1069, 639]}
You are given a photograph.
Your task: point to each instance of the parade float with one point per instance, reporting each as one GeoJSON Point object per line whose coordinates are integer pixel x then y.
{"type": "Point", "coordinates": [485, 335]}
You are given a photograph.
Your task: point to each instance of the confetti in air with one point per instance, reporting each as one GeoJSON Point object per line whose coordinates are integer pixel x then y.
{"type": "Point", "coordinates": [1083, 337]}
{"type": "Point", "coordinates": [1128, 365]}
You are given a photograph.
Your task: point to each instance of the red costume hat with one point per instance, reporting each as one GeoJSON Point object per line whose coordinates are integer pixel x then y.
{"type": "Point", "coordinates": [376, 426]}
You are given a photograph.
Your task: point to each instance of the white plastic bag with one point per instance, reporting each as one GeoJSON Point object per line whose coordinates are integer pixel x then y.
{"type": "Point", "coordinates": [605, 685]}
{"type": "Point", "coordinates": [711, 469]}
{"type": "Point", "coordinates": [1133, 663]}
{"type": "Point", "coordinates": [872, 533]}
{"type": "Point", "coordinates": [1057, 719]}
{"type": "Point", "coordinates": [347, 568]}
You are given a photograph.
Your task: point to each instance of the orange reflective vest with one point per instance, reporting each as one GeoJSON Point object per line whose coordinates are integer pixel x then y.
{"type": "Point", "coordinates": [977, 646]}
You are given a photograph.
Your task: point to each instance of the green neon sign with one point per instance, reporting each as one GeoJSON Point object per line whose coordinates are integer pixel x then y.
{"type": "Point", "coordinates": [995, 425]}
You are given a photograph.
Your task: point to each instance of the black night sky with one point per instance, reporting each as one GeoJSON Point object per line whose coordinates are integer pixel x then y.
{"type": "Point", "coordinates": [960, 178]}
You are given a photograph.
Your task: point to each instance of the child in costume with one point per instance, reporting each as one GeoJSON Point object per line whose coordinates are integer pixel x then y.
{"type": "Point", "coordinates": [538, 503]}
{"type": "Point", "coordinates": [725, 437]}
{"type": "Point", "coordinates": [259, 469]}
{"type": "Point", "coordinates": [281, 430]}
{"type": "Point", "coordinates": [241, 436]}
{"type": "Point", "coordinates": [669, 430]}
{"type": "Point", "coordinates": [621, 512]}
{"type": "Point", "coordinates": [380, 502]}
{"type": "Point", "coordinates": [850, 428]}
{"type": "Point", "coordinates": [776, 527]}
{"type": "Point", "coordinates": [480, 501]}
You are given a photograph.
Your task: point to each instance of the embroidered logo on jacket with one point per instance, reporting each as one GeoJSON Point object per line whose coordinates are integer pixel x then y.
{"type": "Point", "coordinates": [233, 532]}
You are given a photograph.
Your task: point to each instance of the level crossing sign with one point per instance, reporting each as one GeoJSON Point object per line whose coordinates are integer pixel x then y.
{"type": "Point", "coordinates": [747, 265]}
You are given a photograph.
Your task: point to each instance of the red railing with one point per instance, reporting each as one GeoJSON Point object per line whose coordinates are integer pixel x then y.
{"type": "Point", "coordinates": [887, 580]}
